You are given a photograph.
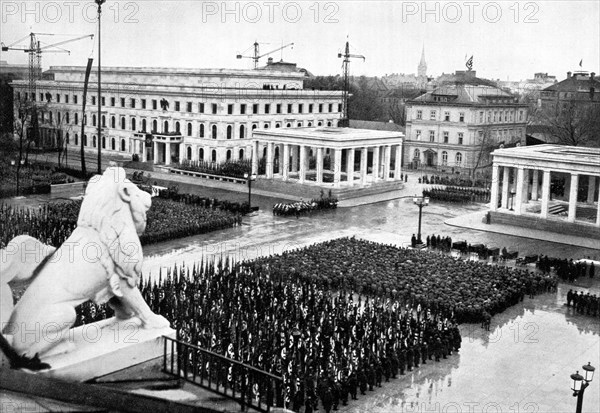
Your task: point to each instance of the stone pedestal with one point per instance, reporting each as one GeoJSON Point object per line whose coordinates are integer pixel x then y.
{"type": "Point", "coordinates": [105, 347]}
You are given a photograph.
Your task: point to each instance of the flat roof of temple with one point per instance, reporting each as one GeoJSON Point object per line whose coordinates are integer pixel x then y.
{"type": "Point", "coordinates": [573, 159]}
{"type": "Point", "coordinates": [332, 134]}
{"type": "Point", "coordinates": [329, 137]}
{"type": "Point", "coordinates": [577, 154]}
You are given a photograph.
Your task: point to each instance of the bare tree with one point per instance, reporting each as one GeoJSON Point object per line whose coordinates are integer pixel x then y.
{"type": "Point", "coordinates": [571, 123]}
{"type": "Point", "coordinates": [485, 146]}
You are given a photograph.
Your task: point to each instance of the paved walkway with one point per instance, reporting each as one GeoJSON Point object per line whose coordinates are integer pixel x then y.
{"type": "Point", "coordinates": [475, 220]}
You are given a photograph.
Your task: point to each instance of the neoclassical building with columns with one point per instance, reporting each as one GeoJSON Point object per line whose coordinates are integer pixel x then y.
{"type": "Point", "coordinates": [166, 115]}
{"type": "Point", "coordinates": [344, 160]}
{"type": "Point", "coordinates": [549, 187]}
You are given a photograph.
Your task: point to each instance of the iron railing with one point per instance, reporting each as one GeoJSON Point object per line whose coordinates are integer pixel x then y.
{"type": "Point", "coordinates": [245, 384]}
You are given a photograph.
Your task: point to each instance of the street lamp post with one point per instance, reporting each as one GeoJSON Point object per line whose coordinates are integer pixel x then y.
{"type": "Point", "coordinates": [99, 3]}
{"type": "Point", "coordinates": [249, 178]}
{"type": "Point", "coordinates": [580, 383]}
{"type": "Point", "coordinates": [420, 202]}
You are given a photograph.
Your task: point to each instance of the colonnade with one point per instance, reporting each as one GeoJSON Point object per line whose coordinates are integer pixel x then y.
{"type": "Point", "coordinates": [513, 186]}
{"type": "Point", "coordinates": [294, 160]}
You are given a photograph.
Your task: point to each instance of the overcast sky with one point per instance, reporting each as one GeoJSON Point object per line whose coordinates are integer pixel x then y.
{"type": "Point", "coordinates": [508, 39]}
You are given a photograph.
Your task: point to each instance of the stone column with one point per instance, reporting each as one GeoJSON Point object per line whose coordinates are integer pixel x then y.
{"type": "Point", "coordinates": [319, 178]}
{"type": "Point", "coordinates": [519, 186]}
{"type": "Point", "coordinates": [545, 194]}
{"type": "Point", "coordinates": [398, 163]}
{"type": "Point", "coordinates": [337, 167]}
{"type": "Point", "coordinates": [525, 186]}
{"type": "Point", "coordinates": [495, 184]}
{"type": "Point", "coordinates": [144, 152]}
{"type": "Point", "coordinates": [302, 166]}
{"type": "Point", "coordinates": [376, 164]}
{"type": "Point", "coordinates": [387, 159]}
{"type": "Point", "coordinates": [350, 166]}
{"type": "Point", "coordinates": [294, 150]}
{"type": "Point", "coordinates": [573, 197]}
{"type": "Point", "coordinates": [182, 152]}
{"type": "Point", "coordinates": [364, 158]}
{"type": "Point", "coordinates": [155, 157]}
{"type": "Point", "coordinates": [255, 158]}
{"type": "Point", "coordinates": [591, 189]}
{"type": "Point", "coordinates": [168, 153]}
{"type": "Point", "coordinates": [285, 165]}
{"type": "Point", "coordinates": [598, 212]}
{"type": "Point", "coordinates": [534, 186]}
{"type": "Point", "coordinates": [269, 163]}
{"type": "Point", "coordinates": [505, 178]}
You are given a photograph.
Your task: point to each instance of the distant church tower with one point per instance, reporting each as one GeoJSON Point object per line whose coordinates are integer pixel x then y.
{"type": "Point", "coordinates": [422, 71]}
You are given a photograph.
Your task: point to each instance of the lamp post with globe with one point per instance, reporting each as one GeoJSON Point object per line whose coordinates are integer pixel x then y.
{"type": "Point", "coordinates": [580, 383]}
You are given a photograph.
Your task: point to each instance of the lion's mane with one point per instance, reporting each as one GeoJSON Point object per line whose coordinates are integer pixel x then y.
{"type": "Point", "coordinates": [104, 211]}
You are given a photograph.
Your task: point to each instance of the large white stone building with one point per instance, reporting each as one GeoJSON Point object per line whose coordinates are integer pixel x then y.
{"type": "Point", "coordinates": [549, 187]}
{"type": "Point", "coordinates": [166, 115]}
{"type": "Point", "coordinates": [448, 127]}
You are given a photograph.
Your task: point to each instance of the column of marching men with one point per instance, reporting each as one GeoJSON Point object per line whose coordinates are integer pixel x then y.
{"type": "Point", "coordinates": [328, 346]}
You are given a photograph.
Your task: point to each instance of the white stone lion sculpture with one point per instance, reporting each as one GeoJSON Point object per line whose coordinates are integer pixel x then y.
{"type": "Point", "coordinates": [101, 261]}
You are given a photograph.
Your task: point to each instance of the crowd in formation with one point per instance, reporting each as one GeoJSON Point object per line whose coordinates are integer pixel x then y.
{"type": "Point", "coordinates": [335, 319]}
{"type": "Point", "coordinates": [303, 207]}
{"type": "Point", "coordinates": [166, 219]}
{"type": "Point", "coordinates": [457, 194]}
{"type": "Point", "coordinates": [584, 303]}
{"type": "Point", "coordinates": [328, 345]}
{"type": "Point", "coordinates": [50, 227]}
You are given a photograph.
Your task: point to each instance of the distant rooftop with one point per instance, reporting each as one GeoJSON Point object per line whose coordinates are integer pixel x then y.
{"type": "Point", "coordinates": [576, 82]}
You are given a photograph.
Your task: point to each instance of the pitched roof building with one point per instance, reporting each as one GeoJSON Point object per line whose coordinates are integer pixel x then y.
{"type": "Point", "coordinates": [448, 127]}
{"type": "Point", "coordinates": [578, 87]}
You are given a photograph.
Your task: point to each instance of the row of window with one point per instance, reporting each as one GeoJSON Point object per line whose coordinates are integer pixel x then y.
{"type": "Point", "coordinates": [446, 136]}
{"type": "Point", "coordinates": [492, 116]}
{"type": "Point", "coordinates": [458, 158]}
{"type": "Point", "coordinates": [213, 154]}
{"type": "Point", "coordinates": [242, 109]}
{"type": "Point", "coordinates": [133, 125]}
{"type": "Point", "coordinates": [113, 142]}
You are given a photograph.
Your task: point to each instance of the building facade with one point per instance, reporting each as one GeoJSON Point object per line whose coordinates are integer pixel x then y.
{"type": "Point", "coordinates": [166, 115]}
{"type": "Point", "coordinates": [579, 88]}
{"type": "Point", "coordinates": [455, 127]}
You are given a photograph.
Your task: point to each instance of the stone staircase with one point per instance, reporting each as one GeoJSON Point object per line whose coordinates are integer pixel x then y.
{"type": "Point", "coordinates": [310, 191]}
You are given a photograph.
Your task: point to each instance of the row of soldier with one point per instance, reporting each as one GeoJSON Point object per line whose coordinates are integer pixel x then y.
{"type": "Point", "coordinates": [584, 303]}
{"type": "Point", "coordinates": [325, 344]}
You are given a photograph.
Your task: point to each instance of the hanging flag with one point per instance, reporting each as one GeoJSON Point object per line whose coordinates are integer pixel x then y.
{"type": "Point", "coordinates": [580, 62]}
{"type": "Point", "coordinates": [469, 63]}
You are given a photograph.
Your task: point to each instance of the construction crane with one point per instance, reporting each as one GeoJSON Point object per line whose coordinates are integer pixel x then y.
{"type": "Point", "coordinates": [35, 51]}
{"type": "Point", "coordinates": [346, 67]}
{"type": "Point", "coordinates": [257, 56]}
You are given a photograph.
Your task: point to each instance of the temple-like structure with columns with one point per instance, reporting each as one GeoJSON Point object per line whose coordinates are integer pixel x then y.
{"type": "Point", "coordinates": [548, 187]}
{"type": "Point", "coordinates": [346, 161]}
